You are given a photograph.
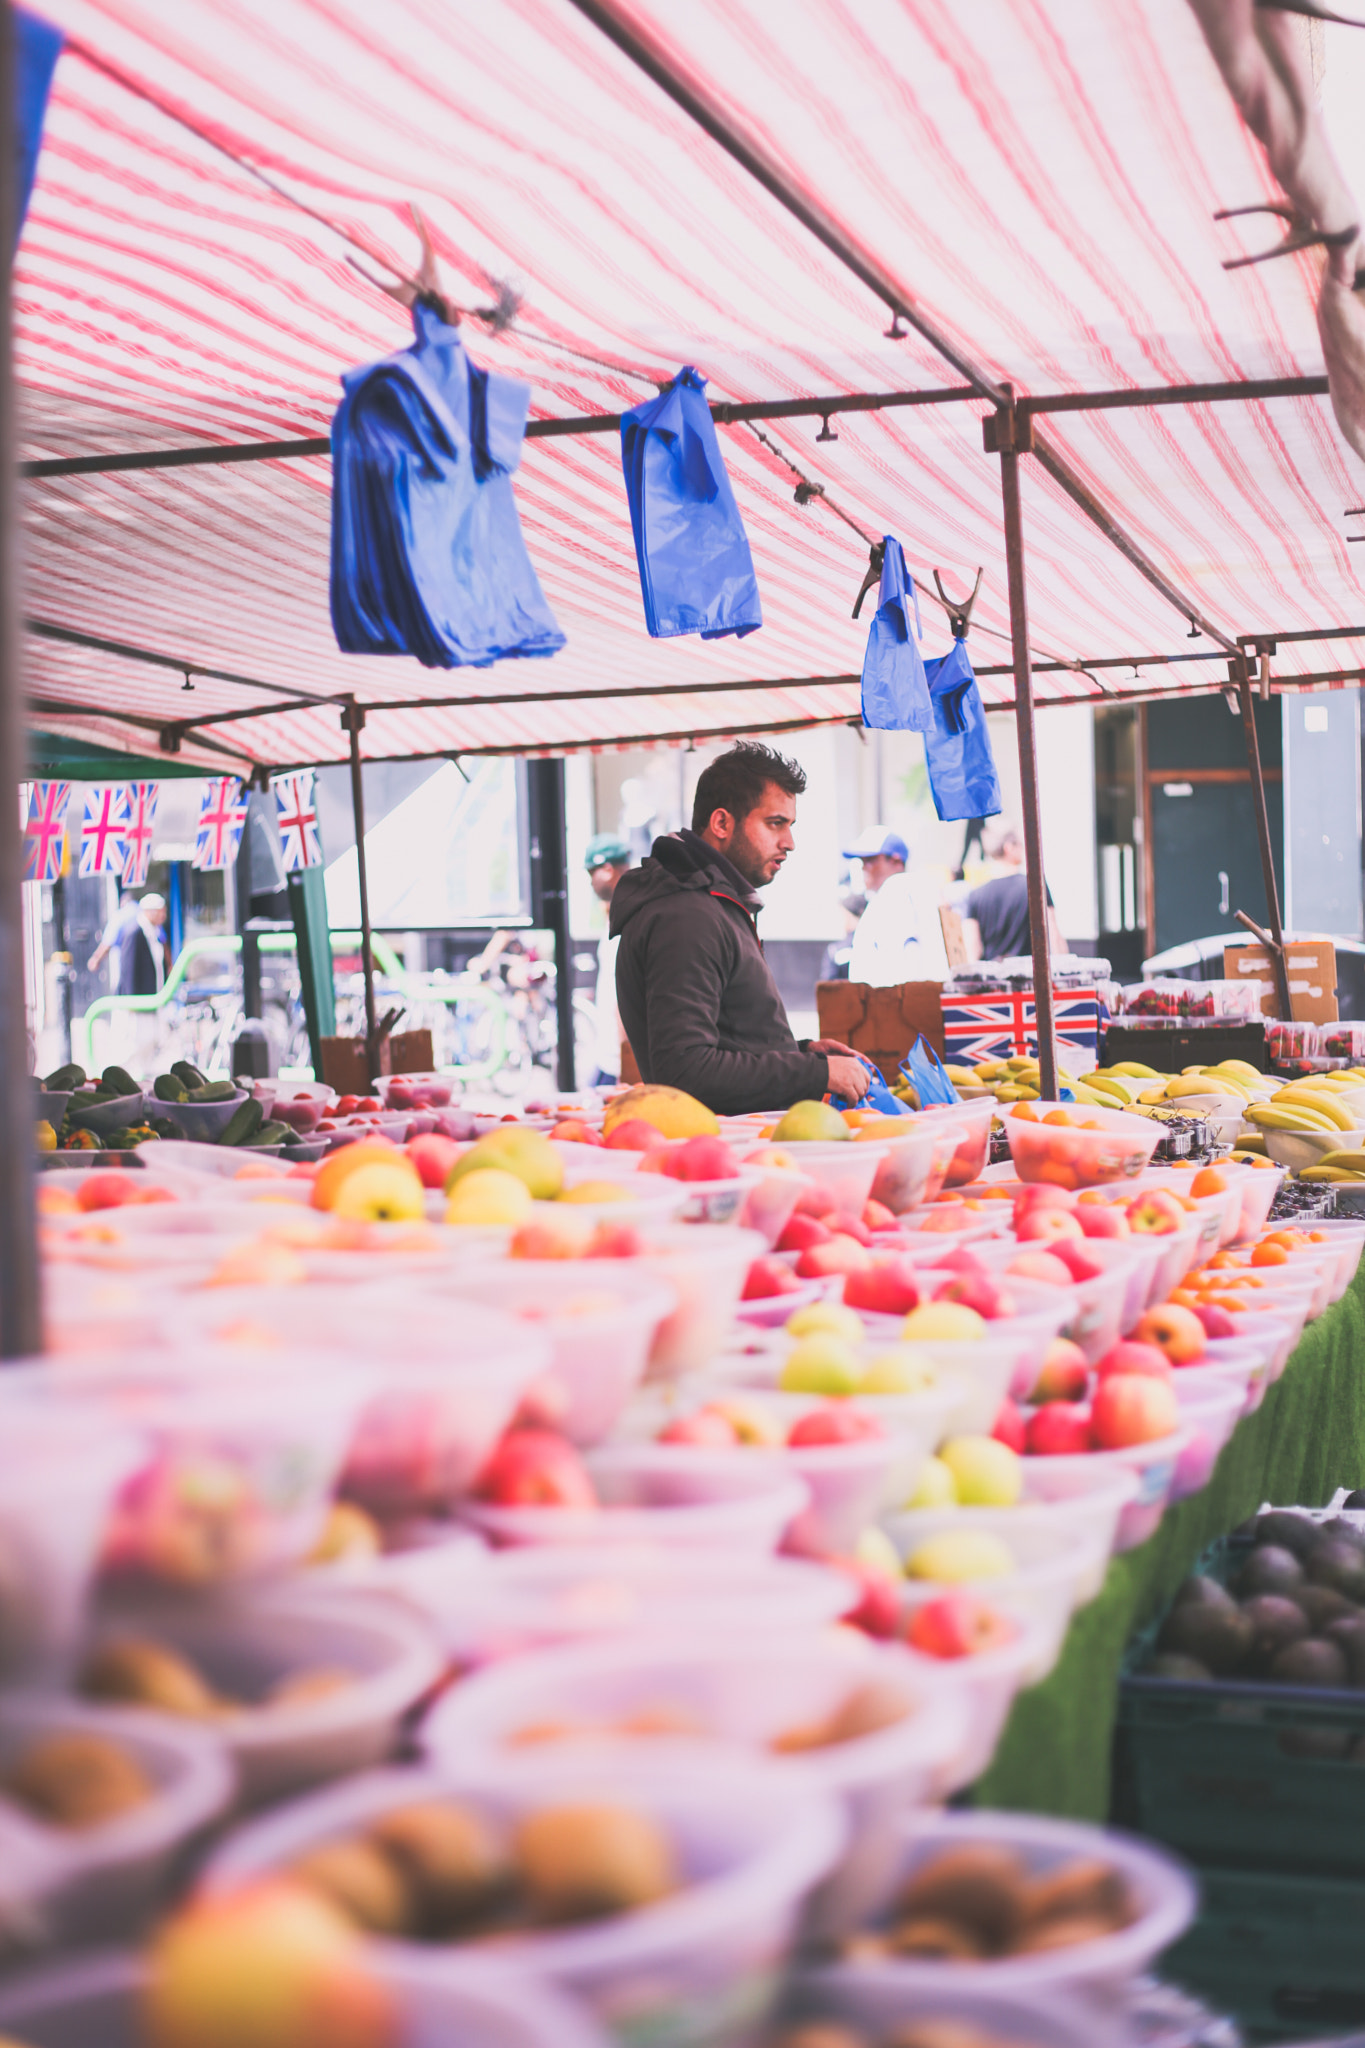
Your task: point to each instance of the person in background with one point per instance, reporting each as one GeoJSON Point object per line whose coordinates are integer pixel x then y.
{"type": "Point", "coordinates": [142, 948]}
{"type": "Point", "coordinates": [698, 1000]}
{"type": "Point", "coordinates": [886, 947]}
{"type": "Point", "coordinates": [124, 915]}
{"type": "Point", "coordinates": [995, 922]}
{"type": "Point", "coordinates": [606, 860]}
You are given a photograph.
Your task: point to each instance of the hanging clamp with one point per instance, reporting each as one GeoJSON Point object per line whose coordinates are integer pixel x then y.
{"type": "Point", "coordinates": [959, 614]}
{"type": "Point", "coordinates": [1008, 431]}
{"type": "Point", "coordinates": [1299, 234]}
{"type": "Point", "coordinates": [1311, 8]}
{"type": "Point", "coordinates": [806, 490]}
{"type": "Point", "coordinates": [876, 557]}
{"type": "Point", "coordinates": [352, 717]}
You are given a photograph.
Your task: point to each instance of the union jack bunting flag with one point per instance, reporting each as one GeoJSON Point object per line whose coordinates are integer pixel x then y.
{"type": "Point", "coordinates": [104, 829]}
{"type": "Point", "coordinates": [222, 814]}
{"type": "Point", "coordinates": [141, 818]}
{"type": "Point", "coordinates": [1005, 1026]}
{"type": "Point", "coordinates": [45, 831]}
{"type": "Point", "coordinates": [298, 821]}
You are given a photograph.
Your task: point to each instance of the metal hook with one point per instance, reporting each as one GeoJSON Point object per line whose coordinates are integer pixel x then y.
{"type": "Point", "coordinates": [1301, 235]}
{"type": "Point", "coordinates": [1194, 632]}
{"type": "Point", "coordinates": [895, 332]}
{"type": "Point", "coordinates": [959, 612]}
{"type": "Point", "coordinates": [824, 433]}
{"type": "Point", "coordinates": [876, 556]}
{"type": "Point", "coordinates": [187, 684]}
{"type": "Point", "coordinates": [1354, 512]}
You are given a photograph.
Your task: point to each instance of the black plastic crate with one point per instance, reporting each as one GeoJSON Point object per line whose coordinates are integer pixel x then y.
{"type": "Point", "coordinates": [1284, 1954]}
{"type": "Point", "coordinates": [1186, 1045]}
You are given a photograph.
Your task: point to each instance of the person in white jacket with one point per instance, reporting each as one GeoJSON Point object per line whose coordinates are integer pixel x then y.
{"type": "Point", "coordinates": [886, 945]}
{"type": "Point", "coordinates": [606, 860]}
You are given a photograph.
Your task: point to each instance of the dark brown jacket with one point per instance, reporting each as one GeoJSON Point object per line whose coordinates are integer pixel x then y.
{"type": "Point", "coordinates": [697, 998]}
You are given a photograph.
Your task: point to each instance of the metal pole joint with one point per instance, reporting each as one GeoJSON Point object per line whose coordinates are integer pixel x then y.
{"type": "Point", "coordinates": [1008, 431]}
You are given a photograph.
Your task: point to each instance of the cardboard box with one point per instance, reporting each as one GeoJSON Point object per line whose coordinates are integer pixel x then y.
{"type": "Point", "coordinates": [346, 1068]}
{"type": "Point", "coordinates": [882, 1023]}
{"type": "Point", "coordinates": [1002, 1027]}
{"type": "Point", "coordinates": [1312, 968]}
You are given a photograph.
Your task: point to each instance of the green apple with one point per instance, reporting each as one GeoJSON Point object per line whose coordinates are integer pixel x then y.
{"type": "Point", "coordinates": [828, 1317]}
{"type": "Point", "coordinates": [987, 1473]}
{"type": "Point", "coordinates": [875, 1549]}
{"type": "Point", "coordinates": [935, 1487]}
{"type": "Point", "coordinates": [906, 1369]}
{"type": "Point", "coordinates": [943, 1322]}
{"type": "Point", "coordinates": [960, 1554]}
{"type": "Point", "coordinates": [821, 1364]}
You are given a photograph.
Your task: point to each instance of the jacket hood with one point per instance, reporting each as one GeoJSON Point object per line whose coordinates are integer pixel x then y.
{"type": "Point", "coordinates": [677, 862]}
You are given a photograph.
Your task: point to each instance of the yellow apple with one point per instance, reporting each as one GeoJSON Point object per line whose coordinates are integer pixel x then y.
{"type": "Point", "coordinates": [987, 1473]}
{"type": "Point", "coordinates": [829, 1316]}
{"type": "Point", "coordinates": [490, 1196]}
{"type": "Point", "coordinates": [598, 1191]}
{"type": "Point", "coordinates": [960, 1554]}
{"type": "Point", "coordinates": [935, 1487]}
{"type": "Point", "coordinates": [943, 1322]}
{"type": "Point", "coordinates": [513, 1149]}
{"type": "Point", "coordinates": [382, 1192]}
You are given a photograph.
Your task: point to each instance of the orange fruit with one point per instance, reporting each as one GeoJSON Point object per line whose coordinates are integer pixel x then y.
{"type": "Point", "coordinates": [1269, 1253]}
{"type": "Point", "coordinates": [1025, 1113]}
{"type": "Point", "coordinates": [1208, 1181]}
{"type": "Point", "coordinates": [1059, 1116]}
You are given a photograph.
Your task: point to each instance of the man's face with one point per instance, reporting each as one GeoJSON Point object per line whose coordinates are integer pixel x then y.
{"type": "Point", "coordinates": [879, 868]}
{"type": "Point", "coordinates": [758, 843]}
{"type": "Point", "coordinates": [604, 879]}
{"type": "Point", "coordinates": [157, 915]}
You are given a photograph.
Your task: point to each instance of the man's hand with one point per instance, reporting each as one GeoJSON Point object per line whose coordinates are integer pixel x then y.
{"type": "Point", "coordinates": [847, 1076]}
{"type": "Point", "coordinates": [835, 1046]}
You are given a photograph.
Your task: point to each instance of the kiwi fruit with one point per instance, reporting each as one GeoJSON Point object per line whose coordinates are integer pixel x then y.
{"type": "Point", "coordinates": [1355, 1500]}
{"type": "Point", "coordinates": [1199, 1591]}
{"type": "Point", "coordinates": [1170, 1664]}
{"type": "Point", "coordinates": [1217, 1637]}
{"type": "Point", "coordinates": [77, 1780]}
{"type": "Point", "coordinates": [1323, 1604]}
{"type": "Point", "coordinates": [1270, 1569]}
{"type": "Point", "coordinates": [1339, 1562]}
{"type": "Point", "coordinates": [582, 1862]}
{"type": "Point", "coordinates": [1348, 1633]}
{"type": "Point", "coordinates": [978, 1886]}
{"type": "Point", "coordinates": [144, 1674]}
{"type": "Point", "coordinates": [1315, 1661]}
{"type": "Point", "coordinates": [358, 1877]}
{"type": "Point", "coordinates": [1275, 1622]}
{"type": "Point", "coordinates": [451, 1862]}
{"type": "Point", "coordinates": [1285, 1531]}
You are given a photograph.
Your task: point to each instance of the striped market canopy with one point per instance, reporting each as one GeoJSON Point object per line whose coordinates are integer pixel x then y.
{"type": "Point", "coordinates": [225, 184]}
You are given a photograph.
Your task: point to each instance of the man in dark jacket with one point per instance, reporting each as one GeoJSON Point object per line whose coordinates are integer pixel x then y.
{"type": "Point", "coordinates": [697, 998]}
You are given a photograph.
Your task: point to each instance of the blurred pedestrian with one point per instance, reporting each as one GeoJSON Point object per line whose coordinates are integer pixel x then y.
{"type": "Point", "coordinates": [886, 947]}
{"type": "Point", "coordinates": [996, 923]}
{"type": "Point", "coordinates": [608, 857]}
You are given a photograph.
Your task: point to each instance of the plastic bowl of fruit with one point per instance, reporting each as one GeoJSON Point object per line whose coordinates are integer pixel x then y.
{"type": "Point", "coordinates": [706, 1266]}
{"type": "Point", "coordinates": [1212, 1416]}
{"type": "Point", "coordinates": [1089, 1514]}
{"type": "Point", "coordinates": [678, 1882]}
{"type": "Point", "coordinates": [1120, 1900]}
{"type": "Point", "coordinates": [1035, 1570]}
{"type": "Point", "coordinates": [992, 1649]}
{"type": "Point", "coordinates": [915, 1162]}
{"type": "Point", "coordinates": [1153, 1462]}
{"type": "Point", "coordinates": [974, 1120]}
{"type": "Point", "coordinates": [1106, 1288]}
{"type": "Point", "coordinates": [861, 2009]}
{"type": "Point", "coordinates": [845, 1171]}
{"type": "Point", "coordinates": [1090, 1148]}
{"type": "Point", "coordinates": [536, 1489]}
{"type": "Point", "coordinates": [866, 1722]}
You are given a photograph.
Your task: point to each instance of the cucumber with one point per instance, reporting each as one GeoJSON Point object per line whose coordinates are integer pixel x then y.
{"type": "Point", "coordinates": [191, 1076]}
{"type": "Point", "coordinates": [244, 1122]}
{"type": "Point", "coordinates": [170, 1088]}
{"type": "Point", "coordinates": [269, 1134]}
{"type": "Point", "coordinates": [65, 1079]}
{"type": "Point", "coordinates": [214, 1091]}
{"type": "Point", "coordinates": [116, 1081]}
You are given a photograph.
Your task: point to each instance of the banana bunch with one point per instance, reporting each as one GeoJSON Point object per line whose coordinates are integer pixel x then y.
{"type": "Point", "coordinates": [966, 1080]}
{"type": "Point", "coordinates": [1311, 1104]}
{"type": "Point", "coordinates": [1013, 1080]}
{"type": "Point", "coordinates": [1336, 1166]}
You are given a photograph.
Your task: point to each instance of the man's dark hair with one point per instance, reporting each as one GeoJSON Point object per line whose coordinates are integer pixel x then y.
{"type": "Point", "coordinates": [735, 781]}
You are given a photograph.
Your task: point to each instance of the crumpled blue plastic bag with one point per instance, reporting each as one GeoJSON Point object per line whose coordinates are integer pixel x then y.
{"type": "Point", "coordinates": [895, 687]}
{"type": "Point", "coordinates": [957, 747]}
{"type": "Point", "coordinates": [696, 572]}
{"type": "Point", "coordinates": [878, 1095]}
{"type": "Point", "coordinates": [428, 556]}
{"type": "Point", "coordinates": [37, 46]}
{"type": "Point", "coordinates": [923, 1069]}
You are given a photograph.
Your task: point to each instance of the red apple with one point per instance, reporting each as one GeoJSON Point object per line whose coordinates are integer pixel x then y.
{"type": "Point", "coordinates": [1079, 1263]}
{"type": "Point", "coordinates": [701, 1159]}
{"type": "Point", "coordinates": [1059, 1430]}
{"type": "Point", "coordinates": [1217, 1322]}
{"type": "Point", "coordinates": [433, 1156]}
{"type": "Point", "coordinates": [1132, 1409]}
{"type": "Point", "coordinates": [801, 1233]}
{"type": "Point", "coordinates": [959, 1261]}
{"type": "Point", "coordinates": [1176, 1331]}
{"type": "Point", "coordinates": [837, 1422]}
{"type": "Point", "coordinates": [1037, 1194]}
{"type": "Point", "coordinates": [889, 1289]}
{"type": "Point", "coordinates": [571, 1132]}
{"type": "Point", "coordinates": [616, 1241]}
{"type": "Point", "coordinates": [978, 1291]}
{"type": "Point", "coordinates": [768, 1276]}
{"type": "Point", "coordinates": [1041, 1266]}
{"type": "Point", "coordinates": [555, 1240]}
{"type": "Point", "coordinates": [877, 1612]}
{"type": "Point", "coordinates": [1064, 1375]}
{"type": "Point", "coordinates": [958, 1625]}
{"type": "Point", "coordinates": [535, 1468]}
{"type": "Point", "coordinates": [1155, 1213]}
{"type": "Point", "coordinates": [814, 1200]}
{"type": "Point", "coordinates": [1044, 1225]}
{"type": "Point", "coordinates": [876, 1216]}
{"type": "Point", "coordinates": [1103, 1219]}
{"type": "Point", "coordinates": [1008, 1427]}
{"type": "Point", "coordinates": [710, 1428]}
{"type": "Point", "coordinates": [634, 1135]}
{"type": "Point", "coordinates": [840, 1255]}
{"type": "Point", "coordinates": [1134, 1356]}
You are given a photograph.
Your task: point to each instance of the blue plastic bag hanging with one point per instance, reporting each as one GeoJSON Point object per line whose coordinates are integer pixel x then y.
{"type": "Point", "coordinates": [37, 45]}
{"type": "Point", "coordinates": [957, 748]}
{"type": "Point", "coordinates": [923, 1069]}
{"type": "Point", "coordinates": [696, 572]}
{"type": "Point", "coordinates": [878, 1095]}
{"type": "Point", "coordinates": [895, 688]}
{"type": "Point", "coordinates": [428, 556]}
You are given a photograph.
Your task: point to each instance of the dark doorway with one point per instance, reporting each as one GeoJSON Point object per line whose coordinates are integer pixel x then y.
{"type": "Point", "coordinates": [1204, 861]}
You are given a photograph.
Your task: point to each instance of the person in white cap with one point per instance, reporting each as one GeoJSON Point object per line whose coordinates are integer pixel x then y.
{"type": "Point", "coordinates": [142, 949]}
{"type": "Point", "coordinates": [886, 947]}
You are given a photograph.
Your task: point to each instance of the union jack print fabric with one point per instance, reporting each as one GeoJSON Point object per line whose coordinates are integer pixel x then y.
{"type": "Point", "coordinates": [222, 815]}
{"type": "Point", "coordinates": [1005, 1026]}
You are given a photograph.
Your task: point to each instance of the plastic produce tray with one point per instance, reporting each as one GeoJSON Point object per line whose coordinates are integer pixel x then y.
{"type": "Point", "coordinates": [1283, 1954]}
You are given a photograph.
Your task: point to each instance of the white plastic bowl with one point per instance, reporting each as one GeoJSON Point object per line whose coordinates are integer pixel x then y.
{"type": "Point", "coordinates": [598, 1350]}
{"type": "Point", "coordinates": [1089, 1513]}
{"type": "Point", "coordinates": [705, 1264]}
{"type": "Point", "coordinates": [869, 2005]}
{"type": "Point", "coordinates": [916, 1161]}
{"type": "Point", "coordinates": [100, 1883]}
{"type": "Point", "coordinates": [1102, 1308]}
{"type": "Point", "coordinates": [1212, 1417]}
{"type": "Point", "coordinates": [751, 1840]}
{"type": "Point", "coordinates": [1346, 1239]}
{"type": "Point", "coordinates": [749, 1522]}
{"type": "Point", "coordinates": [988, 1684]}
{"type": "Point", "coordinates": [1247, 1357]}
{"type": "Point", "coordinates": [1118, 1151]}
{"type": "Point", "coordinates": [727, 1691]}
{"type": "Point", "coordinates": [845, 1171]}
{"type": "Point", "coordinates": [1280, 1328]}
{"type": "Point", "coordinates": [1154, 1463]}
{"type": "Point", "coordinates": [245, 1648]}
{"type": "Point", "coordinates": [1259, 1190]}
{"type": "Point", "coordinates": [1054, 1569]}
{"type": "Point", "coordinates": [1162, 1890]}
{"type": "Point", "coordinates": [974, 1119]}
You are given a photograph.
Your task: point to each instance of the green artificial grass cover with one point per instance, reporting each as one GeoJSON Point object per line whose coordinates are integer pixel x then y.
{"type": "Point", "coordinates": [1306, 1439]}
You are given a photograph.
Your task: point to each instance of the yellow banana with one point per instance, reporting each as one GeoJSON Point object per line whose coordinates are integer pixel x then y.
{"type": "Point", "coordinates": [1316, 1099]}
{"type": "Point", "coordinates": [1353, 1161]}
{"type": "Point", "coordinates": [1335, 1173]}
{"type": "Point", "coordinates": [1267, 1117]}
{"type": "Point", "coordinates": [1136, 1069]}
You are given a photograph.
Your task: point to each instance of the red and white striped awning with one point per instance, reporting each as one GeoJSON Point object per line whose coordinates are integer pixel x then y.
{"type": "Point", "coordinates": [1041, 175]}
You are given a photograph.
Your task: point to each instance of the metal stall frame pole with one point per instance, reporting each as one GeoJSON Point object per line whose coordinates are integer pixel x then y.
{"type": "Point", "coordinates": [550, 897]}
{"type": "Point", "coordinates": [1004, 433]}
{"type": "Point", "coordinates": [352, 722]}
{"type": "Point", "coordinates": [21, 1329]}
{"type": "Point", "coordinates": [1240, 674]}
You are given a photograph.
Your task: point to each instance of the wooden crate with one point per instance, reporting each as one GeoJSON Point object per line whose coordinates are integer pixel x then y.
{"type": "Point", "coordinates": [882, 1023]}
{"type": "Point", "coordinates": [346, 1067]}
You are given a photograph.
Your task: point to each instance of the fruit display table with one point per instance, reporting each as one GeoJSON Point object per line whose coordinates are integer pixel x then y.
{"type": "Point", "coordinates": [1306, 1440]}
